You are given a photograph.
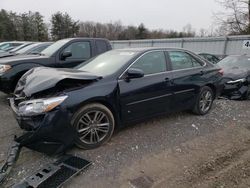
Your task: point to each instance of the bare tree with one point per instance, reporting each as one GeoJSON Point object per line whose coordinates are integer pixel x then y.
{"type": "Point", "coordinates": [236, 18]}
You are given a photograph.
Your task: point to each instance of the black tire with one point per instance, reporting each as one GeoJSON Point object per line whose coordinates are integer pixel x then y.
{"type": "Point", "coordinates": [198, 108]}
{"type": "Point", "coordinates": [97, 129]}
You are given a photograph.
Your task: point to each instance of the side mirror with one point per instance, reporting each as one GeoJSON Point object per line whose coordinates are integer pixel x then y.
{"type": "Point", "coordinates": [134, 73]}
{"type": "Point", "coordinates": [66, 54]}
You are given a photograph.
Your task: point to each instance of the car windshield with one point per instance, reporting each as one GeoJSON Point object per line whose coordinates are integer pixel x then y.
{"type": "Point", "coordinates": [54, 47]}
{"type": "Point", "coordinates": [25, 49]}
{"type": "Point", "coordinates": [15, 49]}
{"type": "Point", "coordinates": [4, 46]}
{"type": "Point", "coordinates": [241, 62]}
{"type": "Point", "coordinates": [107, 63]}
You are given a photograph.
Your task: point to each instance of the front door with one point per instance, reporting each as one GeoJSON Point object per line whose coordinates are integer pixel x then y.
{"type": "Point", "coordinates": [149, 95]}
{"type": "Point", "coordinates": [81, 51]}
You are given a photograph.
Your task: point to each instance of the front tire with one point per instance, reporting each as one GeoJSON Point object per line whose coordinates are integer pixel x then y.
{"type": "Point", "coordinates": [94, 124]}
{"type": "Point", "coordinates": [204, 101]}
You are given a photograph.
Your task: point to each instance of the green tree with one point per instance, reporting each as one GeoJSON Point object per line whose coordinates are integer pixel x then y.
{"type": "Point", "coordinates": [7, 29]}
{"type": "Point", "coordinates": [26, 26]}
{"type": "Point", "coordinates": [142, 32]}
{"type": "Point", "coordinates": [63, 26]}
{"type": "Point", "coordinates": [41, 30]}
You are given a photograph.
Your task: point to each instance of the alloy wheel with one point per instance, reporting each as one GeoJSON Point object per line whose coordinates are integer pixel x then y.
{"type": "Point", "coordinates": [93, 127]}
{"type": "Point", "coordinates": [206, 101]}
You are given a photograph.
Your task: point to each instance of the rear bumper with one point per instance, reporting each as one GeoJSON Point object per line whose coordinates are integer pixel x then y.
{"type": "Point", "coordinates": [49, 133]}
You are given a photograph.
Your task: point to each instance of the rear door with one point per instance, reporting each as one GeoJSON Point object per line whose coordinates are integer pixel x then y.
{"type": "Point", "coordinates": [81, 51]}
{"type": "Point", "coordinates": [187, 78]}
{"type": "Point", "coordinates": [101, 46]}
{"type": "Point", "coordinates": [144, 97]}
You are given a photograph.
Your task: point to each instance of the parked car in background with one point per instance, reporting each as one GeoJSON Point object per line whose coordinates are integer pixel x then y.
{"type": "Point", "coordinates": [25, 44]}
{"type": "Point", "coordinates": [34, 49]}
{"type": "Point", "coordinates": [210, 57]}
{"type": "Point", "coordinates": [6, 46]}
{"type": "Point", "coordinates": [66, 53]}
{"type": "Point", "coordinates": [236, 77]}
{"type": "Point", "coordinates": [30, 48]}
{"type": "Point", "coordinates": [59, 107]}
{"type": "Point", "coordinates": [13, 51]}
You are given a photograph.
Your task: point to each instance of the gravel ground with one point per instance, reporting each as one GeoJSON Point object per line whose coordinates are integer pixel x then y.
{"type": "Point", "coordinates": [176, 150]}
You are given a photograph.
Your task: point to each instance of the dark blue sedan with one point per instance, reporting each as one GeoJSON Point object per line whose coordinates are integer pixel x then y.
{"type": "Point", "coordinates": [59, 107]}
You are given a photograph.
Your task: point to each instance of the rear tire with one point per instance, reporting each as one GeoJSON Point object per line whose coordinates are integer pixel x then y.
{"type": "Point", "coordinates": [94, 124]}
{"type": "Point", "coordinates": [204, 101]}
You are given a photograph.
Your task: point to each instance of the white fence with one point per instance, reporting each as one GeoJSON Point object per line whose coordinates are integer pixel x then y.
{"type": "Point", "coordinates": [230, 45]}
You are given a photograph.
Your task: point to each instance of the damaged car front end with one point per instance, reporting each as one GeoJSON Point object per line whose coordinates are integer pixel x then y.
{"type": "Point", "coordinates": [236, 79]}
{"type": "Point", "coordinates": [39, 107]}
{"type": "Point", "coordinates": [237, 89]}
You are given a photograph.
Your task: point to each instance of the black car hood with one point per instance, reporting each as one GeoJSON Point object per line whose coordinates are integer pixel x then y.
{"type": "Point", "coordinates": [16, 59]}
{"type": "Point", "coordinates": [236, 73]}
{"type": "Point", "coordinates": [43, 78]}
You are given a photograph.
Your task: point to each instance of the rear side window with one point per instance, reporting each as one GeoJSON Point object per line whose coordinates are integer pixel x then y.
{"type": "Point", "coordinates": [151, 63]}
{"type": "Point", "coordinates": [101, 46]}
{"type": "Point", "coordinates": [79, 50]}
{"type": "Point", "coordinates": [182, 60]}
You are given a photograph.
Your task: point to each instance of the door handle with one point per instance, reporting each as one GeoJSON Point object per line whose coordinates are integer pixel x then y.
{"type": "Point", "coordinates": [167, 79]}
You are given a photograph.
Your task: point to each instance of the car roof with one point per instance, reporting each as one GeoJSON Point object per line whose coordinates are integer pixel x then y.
{"type": "Point", "coordinates": [84, 38]}
{"type": "Point", "coordinates": [145, 49]}
{"type": "Point", "coordinates": [245, 55]}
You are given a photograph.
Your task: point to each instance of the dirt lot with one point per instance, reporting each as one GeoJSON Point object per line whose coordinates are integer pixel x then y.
{"type": "Point", "coordinates": [177, 150]}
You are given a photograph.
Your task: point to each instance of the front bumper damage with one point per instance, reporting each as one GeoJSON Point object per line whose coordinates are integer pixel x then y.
{"type": "Point", "coordinates": [236, 89]}
{"type": "Point", "coordinates": [50, 133]}
{"type": "Point", "coordinates": [12, 157]}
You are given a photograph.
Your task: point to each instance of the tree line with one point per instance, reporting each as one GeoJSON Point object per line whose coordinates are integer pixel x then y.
{"type": "Point", "coordinates": [31, 26]}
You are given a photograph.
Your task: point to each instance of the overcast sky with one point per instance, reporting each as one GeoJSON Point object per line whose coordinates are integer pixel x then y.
{"type": "Point", "coordinates": [155, 14]}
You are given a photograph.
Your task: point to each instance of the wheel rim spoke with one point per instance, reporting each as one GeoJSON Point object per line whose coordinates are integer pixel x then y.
{"type": "Point", "coordinates": [83, 130]}
{"type": "Point", "coordinates": [102, 129]}
{"type": "Point", "coordinates": [99, 116]}
{"type": "Point", "coordinates": [103, 125]}
{"type": "Point", "coordinates": [85, 134]}
{"type": "Point", "coordinates": [97, 136]}
{"type": "Point", "coordinates": [92, 137]}
{"type": "Point", "coordinates": [88, 117]}
{"type": "Point", "coordinates": [83, 122]}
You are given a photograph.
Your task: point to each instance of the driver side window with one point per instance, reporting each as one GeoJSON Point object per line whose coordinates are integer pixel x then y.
{"type": "Point", "coordinates": [151, 63]}
{"type": "Point", "coordinates": [79, 50]}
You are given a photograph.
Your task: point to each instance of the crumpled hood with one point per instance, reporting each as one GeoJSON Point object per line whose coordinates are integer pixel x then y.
{"type": "Point", "coordinates": [42, 78]}
{"type": "Point", "coordinates": [234, 73]}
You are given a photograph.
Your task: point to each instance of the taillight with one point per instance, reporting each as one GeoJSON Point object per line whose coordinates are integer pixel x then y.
{"type": "Point", "coordinates": [221, 72]}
